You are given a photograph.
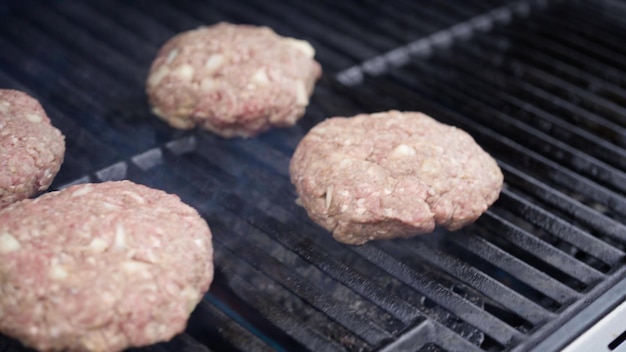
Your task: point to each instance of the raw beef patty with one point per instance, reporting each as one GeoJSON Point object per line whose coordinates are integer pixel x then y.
{"type": "Point", "coordinates": [101, 267]}
{"type": "Point", "coordinates": [392, 174]}
{"type": "Point", "coordinates": [31, 149]}
{"type": "Point", "coordinates": [234, 80]}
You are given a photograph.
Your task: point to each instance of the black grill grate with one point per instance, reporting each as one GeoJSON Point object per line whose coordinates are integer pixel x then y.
{"type": "Point", "coordinates": [540, 87]}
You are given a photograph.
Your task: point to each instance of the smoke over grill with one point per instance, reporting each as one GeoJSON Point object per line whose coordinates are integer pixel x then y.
{"type": "Point", "coordinates": [540, 85]}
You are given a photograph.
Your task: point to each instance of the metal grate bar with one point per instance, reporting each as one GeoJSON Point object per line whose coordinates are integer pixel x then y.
{"type": "Point", "coordinates": [339, 23]}
{"type": "Point", "coordinates": [203, 326]}
{"type": "Point", "coordinates": [245, 280]}
{"type": "Point", "coordinates": [555, 104]}
{"type": "Point", "coordinates": [391, 28]}
{"type": "Point", "coordinates": [133, 20]}
{"type": "Point", "coordinates": [590, 217]}
{"type": "Point", "coordinates": [101, 52]}
{"type": "Point", "coordinates": [396, 30]}
{"type": "Point", "coordinates": [368, 330]}
{"type": "Point", "coordinates": [579, 42]}
{"type": "Point", "coordinates": [523, 239]}
{"type": "Point", "coordinates": [481, 281]}
{"type": "Point", "coordinates": [575, 136]}
{"type": "Point", "coordinates": [408, 19]}
{"type": "Point", "coordinates": [607, 15]}
{"type": "Point", "coordinates": [36, 42]}
{"type": "Point", "coordinates": [563, 53]}
{"type": "Point", "coordinates": [103, 29]}
{"type": "Point", "coordinates": [59, 29]}
{"type": "Point", "coordinates": [524, 51]}
{"type": "Point", "coordinates": [185, 343]}
{"type": "Point", "coordinates": [559, 228]}
{"type": "Point", "coordinates": [443, 340]}
{"type": "Point", "coordinates": [560, 87]}
{"type": "Point", "coordinates": [594, 24]}
{"type": "Point", "coordinates": [166, 13]}
{"type": "Point", "coordinates": [208, 15]}
{"type": "Point", "coordinates": [496, 329]}
{"type": "Point", "coordinates": [517, 268]}
{"type": "Point", "coordinates": [343, 44]}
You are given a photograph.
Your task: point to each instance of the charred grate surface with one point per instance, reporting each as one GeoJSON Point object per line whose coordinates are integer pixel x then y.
{"type": "Point", "coordinates": [540, 88]}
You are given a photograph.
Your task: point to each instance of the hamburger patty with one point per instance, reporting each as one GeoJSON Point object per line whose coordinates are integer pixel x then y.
{"type": "Point", "coordinates": [234, 80]}
{"type": "Point", "coordinates": [31, 149]}
{"type": "Point", "coordinates": [101, 267]}
{"type": "Point", "coordinates": [392, 174]}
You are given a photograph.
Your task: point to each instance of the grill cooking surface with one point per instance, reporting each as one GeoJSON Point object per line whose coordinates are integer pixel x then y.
{"type": "Point", "coordinates": [540, 86]}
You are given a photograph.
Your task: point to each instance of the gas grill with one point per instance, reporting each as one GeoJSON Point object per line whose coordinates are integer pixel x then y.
{"type": "Point", "coordinates": [540, 85]}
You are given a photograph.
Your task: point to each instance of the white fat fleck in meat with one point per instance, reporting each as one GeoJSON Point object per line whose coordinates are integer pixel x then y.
{"type": "Point", "coordinates": [120, 236]}
{"type": "Point", "coordinates": [139, 199]}
{"type": "Point", "coordinates": [98, 245]}
{"type": "Point", "coordinates": [199, 242]}
{"type": "Point", "coordinates": [109, 206]}
{"type": "Point", "coordinates": [429, 167]}
{"type": "Point", "coordinates": [329, 196]}
{"type": "Point", "coordinates": [302, 96]}
{"type": "Point", "coordinates": [302, 45]}
{"type": "Point", "coordinates": [214, 62]}
{"type": "Point", "coordinates": [81, 191]}
{"type": "Point", "coordinates": [184, 72]}
{"type": "Point", "coordinates": [4, 106]}
{"type": "Point", "coordinates": [192, 296]}
{"type": "Point", "coordinates": [260, 77]}
{"type": "Point", "coordinates": [47, 173]}
{"type": "Point", "coordinates": [158, 76]}
{"type": "Point", "coordinates": [8, 243]}
{"type": "Point", "coordinates": [34, 118]}
{"type": "Point", "coordinates": [56, 272]}
{"type": "Point", "coordinates": [402, 150]}
{"type": "Point", "coordinates": [208, 84]}
{"type": "Point", "coordinates": [134, 266]}
{"type": "Point", "coordinates": [171, 56]}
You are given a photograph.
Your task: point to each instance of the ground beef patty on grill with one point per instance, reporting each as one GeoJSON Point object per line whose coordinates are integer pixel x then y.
{"type": "Point", "coordinates": [31, 149]}
{"type": "Point", "coordinates": [234, 80]}
{"type": "Point", "coordinates": [100, 267]}
{"type": "Point", "coordinates": [392, 174]}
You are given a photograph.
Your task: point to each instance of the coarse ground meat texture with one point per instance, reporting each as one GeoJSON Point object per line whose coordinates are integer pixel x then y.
{"type": "Point", "coordinates": [392, 174]}
{"type": "Point", "coordinates": [234, 80]}
{"type": "Point", "coordinates": [100, 267]}
{"type": "Point", "coordinates": [31, 149]}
